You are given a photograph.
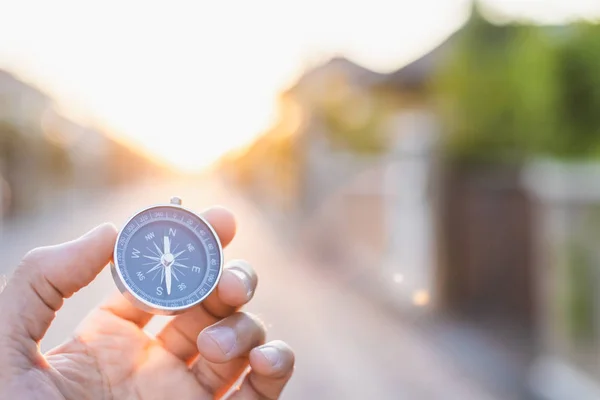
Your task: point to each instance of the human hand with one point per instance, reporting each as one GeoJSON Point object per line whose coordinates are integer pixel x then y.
{"type": "Point", "coordinates": [197, 355]}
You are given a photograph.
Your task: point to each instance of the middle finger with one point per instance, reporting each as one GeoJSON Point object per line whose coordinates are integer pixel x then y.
{"type": "Point", "coordinates": [236, 288]}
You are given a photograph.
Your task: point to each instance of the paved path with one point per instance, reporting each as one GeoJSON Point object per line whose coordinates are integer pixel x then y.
{"type": "Point", "coordinates": [347, 348]}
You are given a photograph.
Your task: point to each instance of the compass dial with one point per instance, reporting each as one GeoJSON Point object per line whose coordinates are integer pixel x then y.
{"type": "Point", "coordinates": [167, 259]}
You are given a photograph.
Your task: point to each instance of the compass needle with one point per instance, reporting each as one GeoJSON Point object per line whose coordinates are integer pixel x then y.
{"type": "Point", "coordinates": [152, 258]}
{"type": "Point", "coordinates": [168, 275]}
{"type": "Point", "coordinates": [167, 244]}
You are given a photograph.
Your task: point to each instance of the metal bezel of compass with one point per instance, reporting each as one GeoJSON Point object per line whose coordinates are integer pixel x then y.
{"type": "Point", "coordinates": [202, 277]}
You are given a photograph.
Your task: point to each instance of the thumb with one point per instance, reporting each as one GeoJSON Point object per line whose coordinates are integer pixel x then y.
{"type": "Point", "coordinates": [48, 275]}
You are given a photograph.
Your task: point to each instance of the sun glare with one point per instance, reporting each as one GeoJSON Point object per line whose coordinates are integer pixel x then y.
{"type": "Point", "coordinates": [187, 81]}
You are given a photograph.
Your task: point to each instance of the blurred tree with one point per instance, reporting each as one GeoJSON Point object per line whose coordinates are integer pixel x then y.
{"type": "Point", "coordinates": [354, 116]}
{"type": "Point", "coordinates": [578, 134]}
{"type": "Point", "coordinates": [508, 92]}
{"type": "Point", "coordinates": [497, 92]}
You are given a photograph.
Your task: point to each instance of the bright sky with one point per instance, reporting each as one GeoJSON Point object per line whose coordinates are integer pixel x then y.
{"type": "Point", "coordinates": [189, 80]}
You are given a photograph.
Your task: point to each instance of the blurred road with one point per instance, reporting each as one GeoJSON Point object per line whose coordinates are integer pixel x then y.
{"type": "Point", "coordinates": [346, 348]}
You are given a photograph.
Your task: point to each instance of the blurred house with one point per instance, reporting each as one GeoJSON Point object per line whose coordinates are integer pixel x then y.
{"type": "Point", "coordinates": [22, 105]}
{"type": "Point", "coordinates": [23, 153]}
{"type": "Point", "coordinates": [417, 224]}
{"type": "Point", "coordinates": [357, 181]}
{"type": "Point", "coordinates": [45, 156]}
{"type": "Point", "coordinates": [347, 171]}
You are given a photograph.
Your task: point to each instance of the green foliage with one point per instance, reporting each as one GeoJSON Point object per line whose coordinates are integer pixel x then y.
{"type": "Point", "coordinates": [512, 91]}
{"type": "Point", "coordinates": [578, 134]}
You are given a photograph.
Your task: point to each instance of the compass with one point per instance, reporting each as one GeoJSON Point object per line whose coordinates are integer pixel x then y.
{"type": "Point", "coordinates": [167, 259]}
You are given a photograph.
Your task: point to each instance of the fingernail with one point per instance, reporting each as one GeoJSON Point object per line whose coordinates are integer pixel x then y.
{"type": "Point", "coordinates": [243, 276]}
{"type": "Point", "coordinates": [224, 338]}
{"type": "Point", "coordinates": [271, 354]}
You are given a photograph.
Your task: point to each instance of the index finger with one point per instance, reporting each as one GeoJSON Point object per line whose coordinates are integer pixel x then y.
{"type": "Point", "coordinates": [222, 221]}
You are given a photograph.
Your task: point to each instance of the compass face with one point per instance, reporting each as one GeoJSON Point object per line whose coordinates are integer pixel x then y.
{"type": "Point", "coordinates": [167, 258]}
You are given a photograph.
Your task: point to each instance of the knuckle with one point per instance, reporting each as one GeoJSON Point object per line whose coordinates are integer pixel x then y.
{"type": "Point", "coordinates": [34, 257]}
{"type": "Point", "coordinates": [32, 263]}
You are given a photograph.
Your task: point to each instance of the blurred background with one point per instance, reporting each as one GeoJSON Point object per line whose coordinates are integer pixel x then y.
{"type": "Point", "coordinates": [417, 182]}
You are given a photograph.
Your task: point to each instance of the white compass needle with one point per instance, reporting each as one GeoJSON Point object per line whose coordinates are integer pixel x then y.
{"type": "Point", "coordinates": [168, 273]}
{"type": "Point", "coordinates": [167, 243]}
{"type": "Point", "coordinates": [152, 258]}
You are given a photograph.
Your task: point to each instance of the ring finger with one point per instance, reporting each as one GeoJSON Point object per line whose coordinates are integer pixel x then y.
{"type": "Point", "coordinates": [224, 349]}
{"type": "Point", "coordinates": [236, 288]}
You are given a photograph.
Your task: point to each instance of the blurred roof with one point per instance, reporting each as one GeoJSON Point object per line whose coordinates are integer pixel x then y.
{"type": "Point", "coordinates": [12, 85]}
{"type": "Point", "coordinates": [416, 75]}
{"type": "Point", "coordinates": [413, 76]}
{"type": "Point", "coordinates": [338, 65]}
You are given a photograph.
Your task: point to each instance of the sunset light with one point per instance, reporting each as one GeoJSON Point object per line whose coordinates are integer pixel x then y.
{"type": "Point", "coordinates": [187, 81]}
